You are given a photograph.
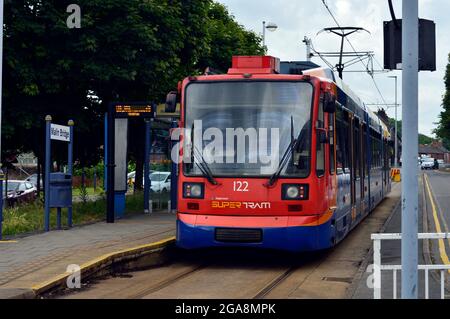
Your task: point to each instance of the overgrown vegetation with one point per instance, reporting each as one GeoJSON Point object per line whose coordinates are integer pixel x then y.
{"type": "Point", "coordinates": [30, 217]}
{"type": "Point", "coordinates": [443, 129]}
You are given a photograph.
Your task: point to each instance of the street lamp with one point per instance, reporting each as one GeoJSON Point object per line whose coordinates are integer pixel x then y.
{"type": "Point", "coordinates": [396, 133]}
{"type": "Point", "coordinates": [272, 27]}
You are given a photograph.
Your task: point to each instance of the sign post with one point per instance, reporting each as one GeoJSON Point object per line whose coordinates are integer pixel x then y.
{"type": "Point", "coordinates": [65, 134]}
{"type": "Point", "coordinates": [70, 167]}
{"type": "Point", "coordinates": [48, 123]}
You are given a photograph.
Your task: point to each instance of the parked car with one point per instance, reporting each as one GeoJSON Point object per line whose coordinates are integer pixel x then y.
{"type": "Point", "coordinates": [441, 162]}
{"type": "Point", "coordinates": [33, 179]}
{"type": "Point", "coordinates": [160, 182]}
{"type": "Point", "coordinates": [19, 192]}
{"type": "Point", "coordinates": [131, 177]}
{"type": "Point", "coordinates": [427, 163]}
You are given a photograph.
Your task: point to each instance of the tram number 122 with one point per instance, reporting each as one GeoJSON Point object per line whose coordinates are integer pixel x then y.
{"type": "Point", "coordinates": [240, 186]}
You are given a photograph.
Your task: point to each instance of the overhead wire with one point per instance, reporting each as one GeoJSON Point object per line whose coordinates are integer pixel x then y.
{"type": "Point", "coordinates": [354, 50]}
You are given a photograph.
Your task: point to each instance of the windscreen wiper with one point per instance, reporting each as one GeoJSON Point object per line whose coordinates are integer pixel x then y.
{"type": "Point", "coordinates": [285, 158]}
{"type": "Point", "coordinates": [198, 159]}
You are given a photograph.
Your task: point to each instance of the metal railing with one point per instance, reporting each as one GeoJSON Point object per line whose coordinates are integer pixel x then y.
{"type": "Point", "coordinates": [378, 267]}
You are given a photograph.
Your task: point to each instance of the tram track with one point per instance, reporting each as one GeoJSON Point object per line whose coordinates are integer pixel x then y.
{"type": "Point", "coordinates": [274, 283]}
{"type": "Point", "coordinates": [247, 274]}
{"type": "Point", "coordinates": [167, 282]}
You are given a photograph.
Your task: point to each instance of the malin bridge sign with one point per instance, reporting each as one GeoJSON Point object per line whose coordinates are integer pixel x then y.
{"type": "Point", "coordinates": [60, 133]}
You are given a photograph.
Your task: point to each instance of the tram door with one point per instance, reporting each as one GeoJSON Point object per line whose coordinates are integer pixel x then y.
{"type": "Point", "coordinates": [353, 164]}
{"type": "Point", "coordinates": [358, 180]}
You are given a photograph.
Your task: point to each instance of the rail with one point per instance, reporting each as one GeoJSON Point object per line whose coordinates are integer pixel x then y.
{"type": "Point", "coordinates": [378, 267]}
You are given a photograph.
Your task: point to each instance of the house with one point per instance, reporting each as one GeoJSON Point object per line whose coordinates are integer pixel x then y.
{"type": "Point", "coordinates": [435, 150]}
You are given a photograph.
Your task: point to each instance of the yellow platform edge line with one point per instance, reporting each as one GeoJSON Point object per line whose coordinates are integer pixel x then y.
{"type": "Point", "coordinates": [40, 287]}
{"type": "Point", "coordinates": [442, 250]}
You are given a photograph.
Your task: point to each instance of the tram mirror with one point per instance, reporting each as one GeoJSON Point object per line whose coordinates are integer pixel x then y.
{"type": "Point", "coordinates": [329, 103]}
{"type": "Point", "coordinates": [171, 102]}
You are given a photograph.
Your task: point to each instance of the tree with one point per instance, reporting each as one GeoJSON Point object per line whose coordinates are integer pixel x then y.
{"type": "Point", "coordinates": [124, 50]}
{"type": "Point", "coordinates": [443, 129]}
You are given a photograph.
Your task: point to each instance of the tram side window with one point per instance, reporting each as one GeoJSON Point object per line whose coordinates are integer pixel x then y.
{"type": "Point", "coordinates": [320, 158]}
{"type": "Point", "coordinates": [342, 146]}
{"type": "Point", "coordinates": [331, 145]}
{"type": "Point", "coordinates": [357, 151]}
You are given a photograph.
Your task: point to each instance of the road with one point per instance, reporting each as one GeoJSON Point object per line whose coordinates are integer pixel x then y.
{"type": "Point", "coordinates": [231, 273]}
{"type": "Point", "coordinates": [437, 183]}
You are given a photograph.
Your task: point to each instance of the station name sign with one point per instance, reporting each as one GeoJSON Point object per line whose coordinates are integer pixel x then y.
{"type": "Point", "coordinates": [60, 133]}
{"type": "Point", "coordinates": [133, 110]}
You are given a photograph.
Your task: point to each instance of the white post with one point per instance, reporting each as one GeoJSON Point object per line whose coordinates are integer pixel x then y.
{"type": "Point", "coordinates": [410, 183]}
{"type": "Point", "coordinates": [377, 269]}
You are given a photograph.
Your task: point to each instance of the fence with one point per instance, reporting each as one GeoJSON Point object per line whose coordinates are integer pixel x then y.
{"type": "Point", "coordinates": [378, 267]}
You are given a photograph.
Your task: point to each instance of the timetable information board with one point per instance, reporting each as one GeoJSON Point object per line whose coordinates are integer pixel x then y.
{"type": "Point", "coordinates": [133, 110]}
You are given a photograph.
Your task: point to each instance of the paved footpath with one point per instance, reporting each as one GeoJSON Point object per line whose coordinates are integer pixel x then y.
{"type": "Point", "coordinates": [31, 260]}
{"type": "Point", "coordinates": [391, 254]}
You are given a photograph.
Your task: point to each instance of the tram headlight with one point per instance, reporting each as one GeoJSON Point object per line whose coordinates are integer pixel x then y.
{"type": "Point", "coordinates": [193, 190]}
{"type": "Point", "coordinates": [294, 192]}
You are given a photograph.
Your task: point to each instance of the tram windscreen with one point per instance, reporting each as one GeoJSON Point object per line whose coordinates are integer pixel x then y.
{"type": "Point", "coordinates": [245, 128]}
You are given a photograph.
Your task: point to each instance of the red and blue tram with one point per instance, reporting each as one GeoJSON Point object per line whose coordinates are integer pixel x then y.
{"type": "Point", "coordinates": [333, 156]}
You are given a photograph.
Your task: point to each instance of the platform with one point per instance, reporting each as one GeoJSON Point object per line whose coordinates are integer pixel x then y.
{"type": "Point", "coordinates": [34, 260]}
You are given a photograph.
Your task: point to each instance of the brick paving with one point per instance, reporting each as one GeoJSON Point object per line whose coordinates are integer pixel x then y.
{"type": "Point", "coordinates": [37, 258]}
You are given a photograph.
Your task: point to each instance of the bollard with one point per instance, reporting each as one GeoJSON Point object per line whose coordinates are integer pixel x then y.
{"type": "Point", "coordinates": [169, 210]}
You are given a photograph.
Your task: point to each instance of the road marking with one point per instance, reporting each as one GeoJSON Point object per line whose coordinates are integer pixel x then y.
{"type": "Point", "coordinates": [8, 241]}
{"type": "Point", "coordinates": [442, 250]}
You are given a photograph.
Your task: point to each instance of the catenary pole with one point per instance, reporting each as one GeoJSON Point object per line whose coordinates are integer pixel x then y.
{"type": "Point", "coordinates": [410, 182]}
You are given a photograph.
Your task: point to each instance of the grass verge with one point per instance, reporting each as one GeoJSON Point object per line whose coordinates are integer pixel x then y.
{"type": "Point", "coordinates": [30, 217]}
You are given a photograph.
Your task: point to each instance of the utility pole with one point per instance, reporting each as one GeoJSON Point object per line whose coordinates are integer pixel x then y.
{"type": "Point", "coordinates": [307, 42]}
{"type": "Point", "coordinates": [410, 182]}
{"type": "Point", "coordinates": [264, 33]}
{"type": "Point", "coordinates": [396, 131]}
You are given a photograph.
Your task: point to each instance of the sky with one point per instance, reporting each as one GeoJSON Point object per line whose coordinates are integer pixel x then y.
{"type": "Point", "coordinates": [299, 18]}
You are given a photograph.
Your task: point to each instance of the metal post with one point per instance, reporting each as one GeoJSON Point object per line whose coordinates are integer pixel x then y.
{"type": "Point", "coordinates": [48, 122]}
{"type": "Point", "coordinates": [147, 182]}
{"type": "Point", "coordinates": [70, 170]}
{"type": "Point", "coordinates": [377, 269]}
{"type": "Point", "coordinates": [1, 92]}
{"type": "Point", "coordinates": [173, 177]}
{"type": "Point", "coordinates": [105, 159]}
{"type": "Point", "coordinates": [110, 214]}
{"type": "Point", "coordinates": [307, 42]}
{"type": "Point", "coordinates": [396, 125]}
{"type": "Point", "coordinates": [264, 33]}
{"type": "Point", "coordinates": [410, 183]}
{"type": "Point", "coordinates": [1, 202]}
{"type": "Point", "coordinates": [95, 179]}
{"type": "Point", "coordinates": [58, 218]}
